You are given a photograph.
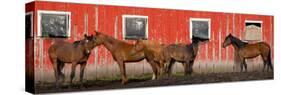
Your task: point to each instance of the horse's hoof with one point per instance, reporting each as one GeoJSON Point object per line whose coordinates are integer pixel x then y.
{"type": "Point", "coordinates": [82, 86]}
{"type": "Point", "coordinates": [153, 77]}
{"type": "Point", "coordinates": [57, 86]}
{"type": "Point", "coordinates": [124, 82]}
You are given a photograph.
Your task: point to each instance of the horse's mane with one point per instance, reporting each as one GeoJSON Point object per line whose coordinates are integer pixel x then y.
{"type": "Point", "coordinates": [238, 42]}
{"type": "Point", "coordinates": [76, 43]}
{"type": "Point", "coordinates": [111, 39]}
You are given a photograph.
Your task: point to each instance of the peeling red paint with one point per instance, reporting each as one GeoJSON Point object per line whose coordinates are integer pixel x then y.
{"type": "Point", "coordinates": [165, 25]}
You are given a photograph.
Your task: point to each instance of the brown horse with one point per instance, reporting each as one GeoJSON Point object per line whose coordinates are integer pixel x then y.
{"type": "Point", "coordinates": [245, 51]}
{"type": "Point", "coordinates": [153, 51]}
{"type": "Point", "coordinates": [120, 51]}
{"type": "Point", "coordinates": [74, 53]}
{"type": "Point", "coordinates": [183, 53]}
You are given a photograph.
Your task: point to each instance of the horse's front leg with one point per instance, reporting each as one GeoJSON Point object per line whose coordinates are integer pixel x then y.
{"type": "Point", "coordinates": [190, 67]}
{"type": "Point", "coordinates": [241, 62]}
{"type": "Point", "coordinates": [169, 68]}
{"type": "Point", "coordinates": [155, 69]}
{"type": "Point", "coordinates": [73, 69]}
{"type": "Point", "coordinates": [82, 68]}
{"type": "Point", "coordinates": [185, 67]}
{"type": "Point", "coordinates": [123, 71]}
{"type": "Point", "coordinates": [161, 68]}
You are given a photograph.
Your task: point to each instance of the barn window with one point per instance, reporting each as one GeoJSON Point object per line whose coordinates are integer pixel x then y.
{"type": "Point", "coordinates": [253, 30]}
{"type": "Point", "coordinates": [135, 27]}
{"type": "Point", "coordinates": [55, 24]}
{"type": "Point", "coordinates": [29, 25]}
{"type": "Point", "coordinates": [200, 27]}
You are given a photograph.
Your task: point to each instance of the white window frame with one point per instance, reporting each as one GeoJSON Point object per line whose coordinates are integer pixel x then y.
{"type": "Point", "coordinates": [133, 16]}
{"type": "Point", "coordinates": [40, 12]}
{"type": "Point", "coordinates": [254, 21]}
{"type": "Point", "coordinates": [200, 19]}
{"type": "Point", "coordinates": [31, 15]}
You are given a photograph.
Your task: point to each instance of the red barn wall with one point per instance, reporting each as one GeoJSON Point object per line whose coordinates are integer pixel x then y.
{"type": "Point", "coordinates": [164, 25]}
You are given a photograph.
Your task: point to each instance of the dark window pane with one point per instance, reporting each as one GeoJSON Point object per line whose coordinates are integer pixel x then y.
{"type": "Point", "coordinates": [28, 26]}
{"type": "Point", "coordinates": [135, 28]}
{"type": "Point", "coordinates": [252, 31]}
{"type": "Point", "coordinates": [200, 29]}
{"type": "Point", "coordinates": [54, 25]}
{"type": "Point", "coordinates": [255, 24]}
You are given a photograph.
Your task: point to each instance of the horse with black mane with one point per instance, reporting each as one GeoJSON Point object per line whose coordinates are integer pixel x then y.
{"type": "Point", "coordinates": [184, 53]}
{"type": "Point", "coordinates": [75, 53]}
{"type": "Point", "coordinates": [245, 51]}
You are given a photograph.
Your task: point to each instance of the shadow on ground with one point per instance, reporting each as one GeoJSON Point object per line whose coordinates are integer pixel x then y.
{"type": "Point", "coordinates": [145, 81]}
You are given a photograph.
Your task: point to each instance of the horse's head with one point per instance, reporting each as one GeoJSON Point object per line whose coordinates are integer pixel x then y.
{"type": "Point", "coordinates": [99, 38]}
{"type": "Point", "coordinates": [89, 42]}
{"type": "Point", "coordinates": [198, 39]}
{"type": "Point", "coordinates": [227, 41]}
{"type": "Point", "coordinates": [139, 45]}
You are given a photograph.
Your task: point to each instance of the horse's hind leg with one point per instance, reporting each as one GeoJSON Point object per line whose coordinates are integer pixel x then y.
{"type": "Point", "coordinates": [269, 61]}
{"type": "Point", "coordinates": [245, 65]}
{"type": "Point", "coordinates": [264, 64]}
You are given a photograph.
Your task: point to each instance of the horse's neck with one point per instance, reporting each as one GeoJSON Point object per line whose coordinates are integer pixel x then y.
{"type": "Point", "coordinates": [195, 47]}
{"type": "Point", "coordinates": [238, 43]}
{"type": "Point", "coordinates": [79, 47]}
{"type": "Point", "coordinates": [110, 43]}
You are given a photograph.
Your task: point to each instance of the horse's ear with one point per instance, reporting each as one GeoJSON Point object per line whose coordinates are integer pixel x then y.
{"type": "Point", "coordinates": [85, 36]}
{"type": "Point", "coordinates": [97, 33]}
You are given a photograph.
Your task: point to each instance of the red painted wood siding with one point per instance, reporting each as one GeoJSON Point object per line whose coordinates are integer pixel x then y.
{"type": "Point", "coordinates": [164, 25]}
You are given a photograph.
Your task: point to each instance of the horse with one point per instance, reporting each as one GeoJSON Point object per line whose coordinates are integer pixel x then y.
{"type": "Point", "coordinates": [120, 51]}
{"type": "Point", "coordinates": [245, 51]}
{"type": "Point", "coordinates": [153, 51]}
{"type": "Point", "coordinates": [184, 53]}
{"type": "Point", "coordinates": [74, 53]}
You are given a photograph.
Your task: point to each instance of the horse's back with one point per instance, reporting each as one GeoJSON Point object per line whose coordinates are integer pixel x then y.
{"type": "Point", "coordinates": [176, 51]}
{"type": "Point", "coordinates": [255, 49]}
{"type": "Point", "coordinates": [154, 46]}
{"type": "Point", "coordinates": [259, 45]}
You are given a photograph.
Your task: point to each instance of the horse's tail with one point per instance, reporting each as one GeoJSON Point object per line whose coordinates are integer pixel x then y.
{"type": "Point", "coordinates": [269, 60]}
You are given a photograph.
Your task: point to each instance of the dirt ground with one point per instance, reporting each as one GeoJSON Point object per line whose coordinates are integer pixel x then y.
{"type": "Point", "coordinates": [145, 81]}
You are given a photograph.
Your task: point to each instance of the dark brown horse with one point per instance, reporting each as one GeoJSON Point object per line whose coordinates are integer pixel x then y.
{"type": "Point", "coordinates": [245, 51]}
{"type": "Point", "coordinates": [153, 51]}
{"type": "Point", "coordinates": [183, 53]}
{"type": "Point", "coordinates": [74, 53]}
{"type": "Point", "coordinates": [120, 51]}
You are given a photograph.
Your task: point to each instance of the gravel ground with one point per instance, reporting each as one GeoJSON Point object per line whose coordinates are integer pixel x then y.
{"type": "Point", "coordinates": [145, 81]}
